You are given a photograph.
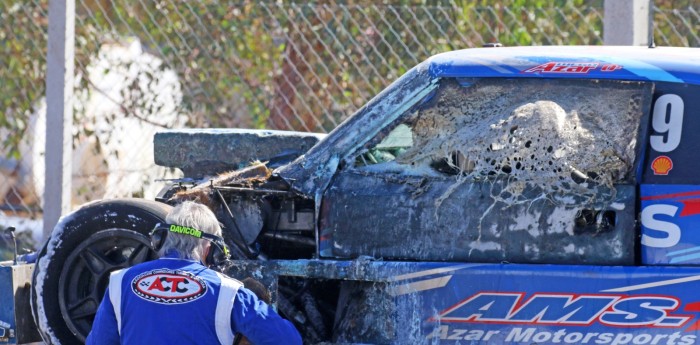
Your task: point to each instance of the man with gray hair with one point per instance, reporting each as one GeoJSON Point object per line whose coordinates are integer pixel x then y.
{"type": "Point", "coordinates": [177, 299]}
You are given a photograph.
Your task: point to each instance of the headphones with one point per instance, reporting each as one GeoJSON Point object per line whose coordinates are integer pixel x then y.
{"type": "Point", "coordinates": [218, 254]}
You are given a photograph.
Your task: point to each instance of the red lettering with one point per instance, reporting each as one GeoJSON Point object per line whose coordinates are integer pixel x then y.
{"type": "Point", "coordinates": [565, 67]}
{"type": "Point", "coordinates": [157, 285]}
{"type": "Point", "coordinates": [542, 68]}
{"type": "Point", "coordinates": [610, 67]}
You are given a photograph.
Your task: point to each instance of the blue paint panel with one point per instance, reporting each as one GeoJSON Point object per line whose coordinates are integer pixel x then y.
{"type": "Point", "coordinates": [670, 220]}
{"type": "Point", "coordinates": [675, 65]}
{"type": "Point", "coordinates": [471, 303]}
{"type": "Point", "coordinates": [7, 306]}
{"type": "Point", "coordinates": [684, 162]}
{"type": "Point", "coordinates": [549, 304]}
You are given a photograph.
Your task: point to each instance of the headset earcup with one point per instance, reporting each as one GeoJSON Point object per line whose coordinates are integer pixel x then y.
{"type": "Point", "coordinates": [158, 239]}
{"type": "Point", "coordinates": [215, 256]}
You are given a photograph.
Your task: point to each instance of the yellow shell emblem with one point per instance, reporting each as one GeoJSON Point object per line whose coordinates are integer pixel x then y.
{"type": "Point", "coordinates": [662, 165]}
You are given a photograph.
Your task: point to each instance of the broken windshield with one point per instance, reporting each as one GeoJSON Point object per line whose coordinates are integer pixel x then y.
{"type": "Point", "coordinates": [551, 133]}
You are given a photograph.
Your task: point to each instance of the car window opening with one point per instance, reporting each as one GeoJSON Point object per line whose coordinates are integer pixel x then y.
{"type": "Point", "coordinates": [569, 136]}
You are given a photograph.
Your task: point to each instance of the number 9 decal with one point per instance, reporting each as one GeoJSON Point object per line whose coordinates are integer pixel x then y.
{"type": "Point", "coordinates": [667, 120]}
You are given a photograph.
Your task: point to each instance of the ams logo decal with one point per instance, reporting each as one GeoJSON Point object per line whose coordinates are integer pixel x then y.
{"type": "Point", "coordinates": [566, 309]}
{"type": "Point", "coordinates": [168, 286]}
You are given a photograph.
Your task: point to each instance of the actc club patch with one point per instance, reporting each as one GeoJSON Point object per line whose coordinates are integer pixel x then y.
{"type": "Point", "coordinates": [168, 286]}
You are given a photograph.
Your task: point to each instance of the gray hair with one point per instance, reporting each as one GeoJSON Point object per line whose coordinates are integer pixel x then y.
{"type": "Point", "coordinates": [193, 215]}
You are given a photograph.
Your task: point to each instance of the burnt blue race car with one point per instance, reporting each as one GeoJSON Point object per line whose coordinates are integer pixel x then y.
{"type": "Point", "coordinates": [531, 195]}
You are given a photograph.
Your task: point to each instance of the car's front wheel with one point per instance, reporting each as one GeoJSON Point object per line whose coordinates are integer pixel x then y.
{"type": "Point", "coordinates": [73, 267]}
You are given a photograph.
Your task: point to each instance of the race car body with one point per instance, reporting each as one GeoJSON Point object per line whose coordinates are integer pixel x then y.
{"type": "Point", "coordinates": [528, 195]}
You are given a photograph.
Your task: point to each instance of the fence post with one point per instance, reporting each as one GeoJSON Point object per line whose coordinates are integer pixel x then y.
{"type": "Point", "coordinates": [626, 22]}
{"type": "Point", "coordinates": [59, 112]}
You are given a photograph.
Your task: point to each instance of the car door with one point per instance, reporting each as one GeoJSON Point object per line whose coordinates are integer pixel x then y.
{"type": "Point", "coordinates": [517, 170]}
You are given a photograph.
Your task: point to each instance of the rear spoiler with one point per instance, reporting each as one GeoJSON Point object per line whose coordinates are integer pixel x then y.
{"type": "Point", "coordinates": [207, 152]}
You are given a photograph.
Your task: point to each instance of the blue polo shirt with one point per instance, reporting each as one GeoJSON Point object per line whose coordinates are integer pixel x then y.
{"type": "Point", "coordinates": [175, 301]}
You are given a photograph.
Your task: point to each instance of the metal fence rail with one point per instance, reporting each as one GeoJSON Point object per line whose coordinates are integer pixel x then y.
{"type": "Point", "coordinates": [146, 64]}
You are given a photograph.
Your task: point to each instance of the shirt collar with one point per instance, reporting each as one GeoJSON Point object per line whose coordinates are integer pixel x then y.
{"type": "Point", "coordinates": [173, 254]}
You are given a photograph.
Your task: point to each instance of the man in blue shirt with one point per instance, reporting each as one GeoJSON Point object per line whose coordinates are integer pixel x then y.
{"type": "Point", "coordinates": [178, 300]}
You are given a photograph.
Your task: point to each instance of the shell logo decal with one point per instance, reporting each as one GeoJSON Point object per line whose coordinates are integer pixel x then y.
{"type": "Point", "coordinates": [168, 286]}
{"type": "Point", "coordinates": [661, 165]}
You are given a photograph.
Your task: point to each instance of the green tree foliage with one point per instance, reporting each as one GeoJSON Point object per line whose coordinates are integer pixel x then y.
{"type": "Point", "coordinates": [279, 64]}
{"type": "Point", "coordinates": [285, 65]}
{"type": "Point", "coordinates": [535, 22]}
{"type": "Point", "coordinates": [677, 23]}
{"type": "Point", "coordinates": [23, 69]}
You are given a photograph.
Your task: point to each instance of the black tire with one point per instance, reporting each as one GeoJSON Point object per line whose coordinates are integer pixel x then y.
{"type": "Point", "coordinates": [72, 269]}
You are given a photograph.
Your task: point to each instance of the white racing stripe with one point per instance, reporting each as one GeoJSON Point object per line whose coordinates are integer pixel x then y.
{"type": "Point", "coordinates": [429, 272]}
{"type": "Point", "coordinates": [422, 285]}
{"type": "Point", "coordinates": [115, 296]}
{"type": "Point", "coordinates": [654, 284]}
{"type": "Point", "coordinates": [224, 306]}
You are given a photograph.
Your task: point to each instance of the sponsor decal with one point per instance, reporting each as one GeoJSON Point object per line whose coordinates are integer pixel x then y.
{"type": "Point", "coordinates": [168, 286]}
{"type": "Point", "coordinates": [661, 165]}
{"type": "Point", "coordinates": [533, 335]}
{"type": "Point", "coordinates": [179, 229]}
{"type": "Point", "coordinates": [661, 219]}
{"type": "Point", "coordinates": [610, 67]}
{"type": "Point", "coordinates": [572, 67]}
{"type": "Point", "coordinates": [566, 309]}
{"type": "Point", "coordinates": [567, 318]}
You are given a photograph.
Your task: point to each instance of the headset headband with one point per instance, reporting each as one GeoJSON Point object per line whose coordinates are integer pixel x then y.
{"type": "Point", "coordinates": [218, 253]}
{"type": "Point", "coordinates": [186, 230]}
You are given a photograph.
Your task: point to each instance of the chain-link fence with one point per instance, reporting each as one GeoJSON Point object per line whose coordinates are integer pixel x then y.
{"type": "Point", "coordinates": [677, 23]}
{"type": "Point", "coordinates": [143, 65]}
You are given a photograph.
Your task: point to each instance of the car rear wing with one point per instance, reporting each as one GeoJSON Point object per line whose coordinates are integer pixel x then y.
{"type": "Point", "coordinates": [207, 152]}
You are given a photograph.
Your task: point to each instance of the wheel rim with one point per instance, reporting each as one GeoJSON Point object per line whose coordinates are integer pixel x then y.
{"type": "Point", "coordinates": [85, 274]}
